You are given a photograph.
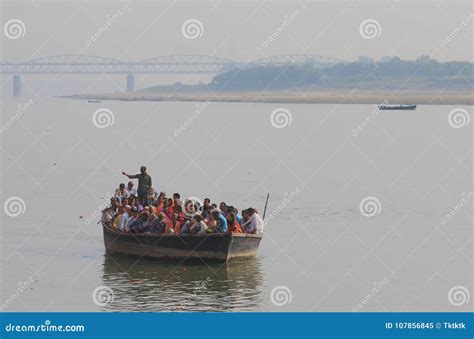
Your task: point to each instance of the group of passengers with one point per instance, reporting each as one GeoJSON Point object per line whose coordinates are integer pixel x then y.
{"type": "Point", "coordinates": [144, 210]}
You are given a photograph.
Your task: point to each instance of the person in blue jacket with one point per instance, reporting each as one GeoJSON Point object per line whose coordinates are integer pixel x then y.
{"type": "Point", "coordinates": [221, 222]}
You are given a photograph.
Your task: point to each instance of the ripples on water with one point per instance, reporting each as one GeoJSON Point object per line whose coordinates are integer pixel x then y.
{"type": "Point", "coordinates": [146, 285]}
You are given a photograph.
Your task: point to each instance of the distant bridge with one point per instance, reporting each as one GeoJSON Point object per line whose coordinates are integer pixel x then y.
{"type": "Point", "coordinates": [172, 64]}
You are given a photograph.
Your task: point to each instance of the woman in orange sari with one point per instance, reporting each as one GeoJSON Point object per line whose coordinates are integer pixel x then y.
{"type": "Point", "coordinates": [159, 205]}
{"type": "Point", "coordinates": [169, 207]}
{"type": "Point", "coordinates": [232, 224]}
{"type": "Point", "coordinates": [174, 223]}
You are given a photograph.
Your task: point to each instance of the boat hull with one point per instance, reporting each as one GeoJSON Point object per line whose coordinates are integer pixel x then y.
{"type": "Point", "coordinates": [221, 247]}
{"type": "Point", "coordinates": [397, 107]}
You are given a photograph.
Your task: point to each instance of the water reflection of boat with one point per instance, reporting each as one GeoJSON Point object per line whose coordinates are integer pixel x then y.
{"type": "Point", "coordinates": [145, 285]}
{"type": "Point", "coordinates": [213, 246]}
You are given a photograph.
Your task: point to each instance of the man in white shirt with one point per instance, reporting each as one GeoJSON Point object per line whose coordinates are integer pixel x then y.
{"type": "Point", "coordinates": [131, 190]}
{"type": "Point", "coordinates": [121, 193]}
{"type": "Point", "coordinates": [124, 218]}
{"type": "Point", "coordinates": [255, 224]}
{"type": "Point", "coordinates": [108, 214]}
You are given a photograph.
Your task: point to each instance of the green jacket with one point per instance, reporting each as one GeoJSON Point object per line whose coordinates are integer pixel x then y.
{"type": "Point", "coordinates": [144, 182]}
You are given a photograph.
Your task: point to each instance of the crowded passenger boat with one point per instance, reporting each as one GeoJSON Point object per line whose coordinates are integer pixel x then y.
{"type": "Point", "coordinates": [142, 210]}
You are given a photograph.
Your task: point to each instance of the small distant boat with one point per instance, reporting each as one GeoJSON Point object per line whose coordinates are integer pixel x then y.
{"type": "Point", "coordinates": [94, 101]}
{"type": "Point", "coordinates": [214, 246]}
{"type": "Point", "coordinates": [398, 107]}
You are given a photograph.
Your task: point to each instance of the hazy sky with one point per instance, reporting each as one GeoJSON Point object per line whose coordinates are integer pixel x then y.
{"type": "Point", "coordinates": [238, 30]}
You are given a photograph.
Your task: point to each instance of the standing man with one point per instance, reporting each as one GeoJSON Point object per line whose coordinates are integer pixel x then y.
{"type": "Point", "coordinates": [144, 185]}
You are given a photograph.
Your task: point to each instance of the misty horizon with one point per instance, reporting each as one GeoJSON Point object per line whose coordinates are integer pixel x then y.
{"type": "Point", "coordinates": [133, 31]}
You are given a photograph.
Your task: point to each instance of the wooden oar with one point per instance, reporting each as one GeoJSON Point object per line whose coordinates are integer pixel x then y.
{"type": "Point", "coordinates": [265, 209]}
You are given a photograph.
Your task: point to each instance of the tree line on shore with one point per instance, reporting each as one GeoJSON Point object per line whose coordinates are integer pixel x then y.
{"type": "Point", "coordinates": [459, 74]}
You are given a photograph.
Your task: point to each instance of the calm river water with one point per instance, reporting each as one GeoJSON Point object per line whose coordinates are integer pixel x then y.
{"type": "Point", "coordinates": [321, 165]}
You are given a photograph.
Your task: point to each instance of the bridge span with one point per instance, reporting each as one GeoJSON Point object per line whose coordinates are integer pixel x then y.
{"type": "Point", "coordinates": [172, 64]}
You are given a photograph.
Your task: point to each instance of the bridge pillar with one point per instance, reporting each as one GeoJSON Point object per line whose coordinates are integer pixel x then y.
{"type": "Point", "coordinates": [130, 83]}
{"type": "Point", "coordinates": [16, 85]}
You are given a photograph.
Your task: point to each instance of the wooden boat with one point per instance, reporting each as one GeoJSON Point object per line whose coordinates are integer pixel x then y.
{"type": "Point", "coordinates": [214, 246]}
{"type": "Point", "coordinates": [402, 107]}
{"type": "Point", "coordinates": [93, 101]}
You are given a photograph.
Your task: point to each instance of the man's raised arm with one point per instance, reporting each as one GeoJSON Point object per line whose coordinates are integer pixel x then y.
{"type": "Point", "coordinates": [130, 176]}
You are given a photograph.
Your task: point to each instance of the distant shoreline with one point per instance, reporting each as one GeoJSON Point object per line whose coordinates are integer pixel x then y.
{"type": "Point", "coordinates": [284, 97]}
